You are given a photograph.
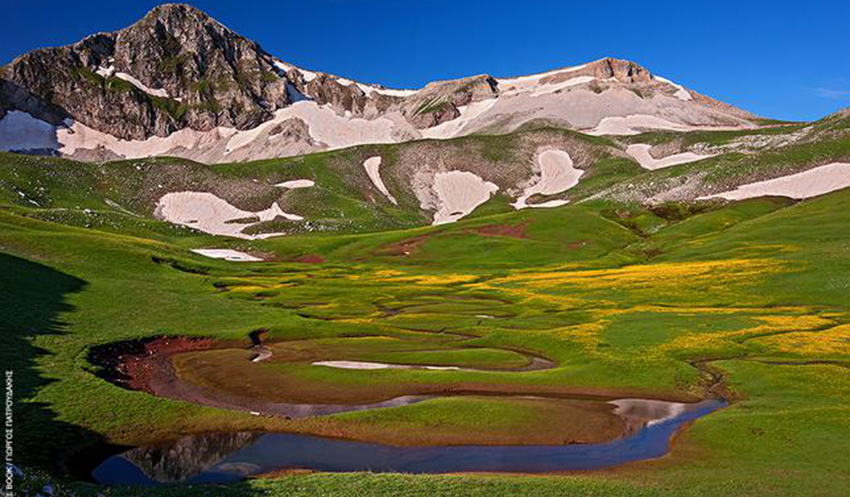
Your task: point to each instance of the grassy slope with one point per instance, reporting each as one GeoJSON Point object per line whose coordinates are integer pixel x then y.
{"type": "Point", "coordinates": [617, 302]}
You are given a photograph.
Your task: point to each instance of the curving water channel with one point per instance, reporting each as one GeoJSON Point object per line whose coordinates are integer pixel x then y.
{"type": "Point", "coordinates": [221, 457]}
{"type": "Point", "coordinates": [226, 457]}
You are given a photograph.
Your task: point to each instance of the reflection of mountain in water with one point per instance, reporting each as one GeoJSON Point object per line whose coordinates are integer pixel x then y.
{"type": "Point", "coordinates": [188, 456]}
{"type": "Point", "coordinates": [640, 413]}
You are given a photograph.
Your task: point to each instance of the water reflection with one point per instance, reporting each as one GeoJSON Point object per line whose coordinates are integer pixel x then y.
{"type": "Point", "coordinates": [233, 456]}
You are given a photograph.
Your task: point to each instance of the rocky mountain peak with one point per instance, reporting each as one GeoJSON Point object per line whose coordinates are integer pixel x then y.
{"type": "Point", "coordinates": [116, 94]}
{"type": "Point", "coordinates": [175, 68]}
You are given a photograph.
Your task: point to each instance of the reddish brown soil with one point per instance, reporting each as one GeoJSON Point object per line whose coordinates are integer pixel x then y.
{"type": "Point", "coordinates": [404, 247]}
{"type": "Point", "coordinates": [309, 259]}
{"type": "Point", "coordinates": [515, 231]}
{"type": "Point", "coordinates": [142, 364]}
{"type": "Point", "coordinates": [578, 244]}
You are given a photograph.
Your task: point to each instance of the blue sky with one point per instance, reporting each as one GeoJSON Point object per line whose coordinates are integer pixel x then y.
{"type": "Point", "coordinates": [781, 58]}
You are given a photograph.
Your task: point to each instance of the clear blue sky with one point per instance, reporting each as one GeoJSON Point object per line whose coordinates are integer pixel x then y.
{"type": "Point", "coordinates": [781, 58]}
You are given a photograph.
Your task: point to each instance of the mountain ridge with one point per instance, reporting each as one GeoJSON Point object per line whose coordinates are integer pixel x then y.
{"type": "Point", "coordinates": [178, 82]}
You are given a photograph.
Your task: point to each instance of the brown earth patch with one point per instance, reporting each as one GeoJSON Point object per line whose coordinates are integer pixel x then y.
{"type": "Point", "coordinates": [512, 231]}
{"type": "Point", "coordinates": [403, 248]}
{"type": "Point", "coordinates": [137, 364]}
{"type": "Point", "coordinates": [309, 259]}
{"type": "Point", "coordinates": [578, 244]}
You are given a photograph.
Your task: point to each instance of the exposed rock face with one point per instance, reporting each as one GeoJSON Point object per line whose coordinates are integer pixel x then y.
{"type": "Point", "coordinates": [438, 102]}
{"type": "Point", "coordinates": [194, 72]}
{"type": "Point", "coordinates": [623, 71]}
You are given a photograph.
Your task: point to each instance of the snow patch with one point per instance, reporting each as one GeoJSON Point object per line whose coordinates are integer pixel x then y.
{"type": "Point", "coordinates": [681, 92]}
{"type": "Point", "coordinates": [807, 184]}
{"type": "Point", "coordinates": [325, 126]}
{"type": "Point", "coordinates": [522, 83]}
{"type": "Point", "coordinates": [372, 166]}
{"type": "Point", "coordinates": [296, 183]}
{"type": "Point", "coordinates": [105, 71]}
{"type": "Point", "coordinates": [640, 152]}
{"type": "Point", "coordinates": [210, 214]}
{"type": "Point", "coordinates": [307, 75]}
{"type": "Point", "coordinates": [379, 365]}
{"type": "Point", "coordinates": [633, 125]}
{"type": "Point", "coordinates": [77, 135]}
{"type": "Point", "coordinates": [458, 194]}
{"type": "Point", "coordinates": [227, 254]}
{"type": "Point", "coordinates": [387, 91]}
{"type": "Point", "coordinates": [557, 174]}
{"type": "Point", "coordinates": [138, 84]}
{"type": "Point", "coordinates": [454, 127]}
{"type": "Point", "coordinates": [555, 87]}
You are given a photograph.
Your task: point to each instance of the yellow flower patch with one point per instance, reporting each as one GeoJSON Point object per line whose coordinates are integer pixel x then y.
{"type": "Point", "coordinates": [664, 276]}
{"type": "Point", "coordinates": [831, 342]}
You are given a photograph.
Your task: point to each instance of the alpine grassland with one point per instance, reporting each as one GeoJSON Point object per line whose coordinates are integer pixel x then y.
{"type": "Point", "coordinates": [524, 314]}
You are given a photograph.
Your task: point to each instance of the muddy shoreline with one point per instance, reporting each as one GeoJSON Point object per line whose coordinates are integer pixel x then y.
{"type": "Point", "coordinates": [145, 365]}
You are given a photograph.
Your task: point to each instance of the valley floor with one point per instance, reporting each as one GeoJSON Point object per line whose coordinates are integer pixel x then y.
{"type": "Point", "coordinates": [746, 301]}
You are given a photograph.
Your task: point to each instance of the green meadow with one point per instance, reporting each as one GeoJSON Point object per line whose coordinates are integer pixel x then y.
{"type": "Point", "coordinates": [746, 300]}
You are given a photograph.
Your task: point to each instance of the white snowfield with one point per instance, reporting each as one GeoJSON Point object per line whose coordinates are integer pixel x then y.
{"type": "Point", "coordinates": [75, 136]}
{"type": "Point", "coordinates": [523, 83]}
{"type": "Point", "coordinates": [557, 175]}
{"type": "Point", "coordinates": [633, 125]}
{"type": "Point", "coordinates": [458, 194]}
{"type": "Point", "coordinates": [325, 126]}
{"type": "Point", "coordinates": [455, 127]}
{"type": "Point", "coordinates": [807, 184]}
{"type": "Point", "coordinates": [227, 254]}
{"type": "Point", "coordinates": [555, 87]}
{"type": "Point", "coordinates": [296, 183]}
{"type": "Point", "coordinates": [379, 365]}
{"type": "Point", "coordinates": [372, 166]}
{"type": "Point", "coordinates": [210, 214]}
{"type": "Point", "coordinates": [640, 152]}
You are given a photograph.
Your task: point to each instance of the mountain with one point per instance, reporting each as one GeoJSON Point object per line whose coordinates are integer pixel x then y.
{"type": "Point", "coordinates": [179, 83]}
{"type": "Point", "coordinates": [255, 147]}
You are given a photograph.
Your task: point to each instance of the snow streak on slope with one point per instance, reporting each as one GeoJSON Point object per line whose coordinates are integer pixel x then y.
{"type": "Point", "coordinates": [450, 129]}
{"type": "Point", "coordinates": [557, 174]}
{"type": "Point", "coordinates": [458, 194]}
{"type": "Point", "coordinates": [523, 83]}
{"type": "Point", "coordinates": [296, 183]}
{"type": "Point", "coordinates": [211, 214]}
{"type": "Point", "coordinates": [373, 169]}
{"type": "Point", "coordinates": [227, 254]}
{"type": "Point", "coordinates": [681, 92]}
{"type": "Point", "coordinates": [109, 71]}
{"type": "Point", "coordinates": [633, 125]}
{"type": "Point", "coordinates": [138, 84]}
{"type": "Point", "coordinates": [640, 152]}
{"type": "Point", "coordinates": [807, 184]}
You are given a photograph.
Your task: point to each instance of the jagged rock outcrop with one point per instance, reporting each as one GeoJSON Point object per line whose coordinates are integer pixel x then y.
{"type": "Point", "coordinates": [438, 102]}
{"type": "Point", "coordinates": [175, 68]}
